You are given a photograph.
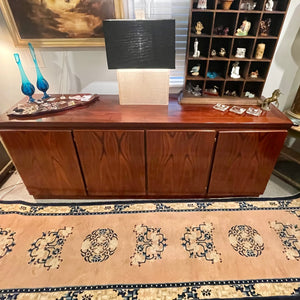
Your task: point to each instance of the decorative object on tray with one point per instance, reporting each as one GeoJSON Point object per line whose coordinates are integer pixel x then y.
{"type": "Point", "coordinates": [199, 27]}
{"type": "Point", "coordinates": [269, 5]}
{"type": "Point", "coordinates": [235, 71]}
{"type": "Point", "coordinates": [221, 107]}
{"type": "Point", "coordinates": [247, 5]}
{"type": "Point", "coordinates": [254, 74]}
{"type": "Point", "coordinates": [264, 27]}
{"type": "Point", "coordinates": [237, 110]}
{"type": "Point", "coordinates": [196, 50]}
{"type": "Point", "coordinates": [244, 28]}
{"type": "Point", "coordinates": [27, 87]}
{"type": "Point", "coordinates": [265, 102]}
{"type": "Point", "coordinates": [240, 52]}
{"type": "Point", "coordinates": [41, 82]}
{"type": "Point", "coordinates": [254, 111]}
{"type": "Point", "coordinates": [195, 70]}
{"type": "Point", "coordinates": [202, 4]}
{"type": "Point", "coordinates": [50, 105]}
{"type": "Point", "coordinates": [222, 52]}
{"type": "Point", "coordinates": [260, 49]}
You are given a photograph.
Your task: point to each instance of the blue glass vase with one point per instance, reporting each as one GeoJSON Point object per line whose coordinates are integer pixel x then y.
{"type": "Point", "coordinates": [41, 82]}
{"type": "Point", "coordinates": [27, 87]}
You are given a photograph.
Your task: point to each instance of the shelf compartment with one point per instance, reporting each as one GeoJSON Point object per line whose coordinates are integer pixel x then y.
{"type": "Point", "coordinates": [242, 43]}
{"type": "Point", "coordinates": [275, 24]}
{"type": "Point", "coordinates": [217, 44]}
{"type": "Point", "coordinates": [269, 48]}
{"type": "Point", "coordinates": [206, 18]}
{"type": "Point", "coordinates": [220, 67]}
{"type": "Point", "coordinates": [210, 84]}
{"type": "Point", "coordinates": [203, 46]}
{"type": "Point", "coordinates": [223, 20]}
{"type": "Point", "coordinates": [244, 66]}
{"type": "Point", "coordinates": [261, 67]}
{"type": "Point", "coordinates": [253, 18]}
{"type": "Point", "coordinates": [192, 85]}
{"type": "Point", "coordinates": [253, 87]}
{"type": "Point", "coordinates": [193, 63]}
{"type": "Point", "coordinates": [231, 86]}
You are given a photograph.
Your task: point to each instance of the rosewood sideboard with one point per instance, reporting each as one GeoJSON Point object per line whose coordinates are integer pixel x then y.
{"type": "Point", "coordinates": [106, 150]}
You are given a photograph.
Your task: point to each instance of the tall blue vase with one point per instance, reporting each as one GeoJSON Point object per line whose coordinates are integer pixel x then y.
{"type": "Point", "coordinates": [41, 82]}
{"type": "Point", "coordinates": [27, 87]}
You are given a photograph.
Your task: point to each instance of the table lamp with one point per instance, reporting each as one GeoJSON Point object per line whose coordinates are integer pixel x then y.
{"type": "Point", "coordinates": [143, 52]}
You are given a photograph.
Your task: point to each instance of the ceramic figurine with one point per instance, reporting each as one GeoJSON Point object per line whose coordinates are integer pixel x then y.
{"type": "Point", "coordinates": [211, 74]}
{"type": "Point", "coordinates": [254, 74]}
{"type": "Point", "coordinates": [222, 52]}
{"type": "Point", "coordinates": [213, 53]}
{"type": "Point", "coordinates": [244, 28]}
{"type": "Point", "coordinates": [235, 71]}
{"type": "Point", "coordinates": [196, 51]}
{"type": "Point", "coordinates": [195, 70]}
{"type": "Point", "coordinates": [265, 103]}
{"type": "Point", "coordinates": [249, 94]}
{"type": "Point", "coordinates": [199, 27]}
{"type": "Point", "coordinates": [264, 27]}
{"type": "Point", "coordinates": [269, 5]}
{"type": "Point", "coordinates": [202, 4]}
{"type": "Point", "coordinates": [260, 49]}
{"type": "Point", "coordinates": [225, 31]}
{"type": "Point", "coordinates": [197, 91]}
{"type": "Point", "coordinates": [240, 52]}
{"type": "Point", "coordinates": [247, 5]}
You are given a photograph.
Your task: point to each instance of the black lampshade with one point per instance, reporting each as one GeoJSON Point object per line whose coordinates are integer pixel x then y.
{"type": "Point", "coordinates": [142, 44]}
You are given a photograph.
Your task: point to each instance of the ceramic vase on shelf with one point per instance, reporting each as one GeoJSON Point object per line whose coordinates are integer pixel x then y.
{"type": "Point", "coordinates": [41, 82]}
{"type": "Point", "coordinates": [27, 87]}
{"type": "Point", "coordinates": [226, 4]}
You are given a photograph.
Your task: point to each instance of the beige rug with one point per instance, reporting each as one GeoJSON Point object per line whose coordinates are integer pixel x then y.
{"type": "Point", "coordinates": [193, 250]}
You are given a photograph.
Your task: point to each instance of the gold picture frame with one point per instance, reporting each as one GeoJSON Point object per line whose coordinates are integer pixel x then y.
{"type": "Point", "coordinates": [71, 23]}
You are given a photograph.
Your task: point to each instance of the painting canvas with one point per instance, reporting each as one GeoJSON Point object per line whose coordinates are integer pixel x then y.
{"type": "Point", "coordinates": [59, 22]}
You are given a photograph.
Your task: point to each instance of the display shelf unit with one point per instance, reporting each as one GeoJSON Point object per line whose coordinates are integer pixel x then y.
{"type": "Point", "coordinates": [213, 18]}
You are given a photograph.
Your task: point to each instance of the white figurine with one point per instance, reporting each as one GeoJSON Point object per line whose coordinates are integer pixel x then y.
{"type": "Point", "coordinates": [269, 5]}
{"type": "Point", "coordinates": [195, 70]}
{"type": "Point", "coordinates": [201, 4]}
{"type": "Point", "coordinates": [240, 52]}
{"type": "Point", "coordinates": [196, 51]}
{"type": "Point", "coordinates": [235, 71]}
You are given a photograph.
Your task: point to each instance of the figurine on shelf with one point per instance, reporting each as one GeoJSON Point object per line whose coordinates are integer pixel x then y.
{"type": "Point", "coordinates": [189, 87]}
{"type": "Point", "coordinates": [264, 27]}
{"type": "Point", "coordinates": [197, 91]}
{"type": "Point", "coordinates": [196, 51]}
{"type": "Point", "coordinates": [244, 28]}
{"type": "Point", "coordinates": [247, 5]}
{"type": "Point", "coordinates": [212, 92]}
{"type": "Point", "coordinates": [260, 49]}
{"type": "Point", "coordinates": [240, 52]}
{"type": "Point", "coordinates": [195, 70]}
{"type": "Point", "coordinates": [226, 31]}
{"type": "Point", "coordinates": [202, 4]}
{"type": "Point", "coordinates": [254, 74]}
{"type": "Point", "coordinates": [212, 75]}
{"type": "Point", "coordinates": [213, 53]}
{"type": "Point", "coordinates": [235, 71]}
{"type": "Point", "coordinates": [199, 27]}
{"type": "Point", "coordinates": [222, 52]}
{"type": "Point", "coordinates": [249, 94]}
{"type": "Point", "coordinates": [269, 5]}
{"type": "Point", "coordinates": [219, 30]}
{"type": "Point", "coordinates": [265, 103]}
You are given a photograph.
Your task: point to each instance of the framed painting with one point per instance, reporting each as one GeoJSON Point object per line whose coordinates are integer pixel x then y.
{"type": "Point", "coordinates": [59, 23]}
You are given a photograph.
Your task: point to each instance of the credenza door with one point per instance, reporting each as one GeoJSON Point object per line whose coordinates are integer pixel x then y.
{"type": "Point", "coordinates": [179, 161]}
{"type": "Point", "coordinates": [244, 161]}
{"type": "Point", "coordinates": [46, 161]}
{"type": "Point", "coordinates": [113, 161]}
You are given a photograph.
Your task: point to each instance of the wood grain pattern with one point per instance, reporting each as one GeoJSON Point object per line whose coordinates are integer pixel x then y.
{"type": "Point", "coordinates": [244, 161]}
{"type": "Point", "coordinates": [46, 161]}
{"type": "Point", "coordinates": [112, 161]}
{"type": "Point", "coordinates": [178, 162]}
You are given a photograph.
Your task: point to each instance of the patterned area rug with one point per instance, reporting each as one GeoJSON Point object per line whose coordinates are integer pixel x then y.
{"type": "Point", "coordinates": [205, 249]}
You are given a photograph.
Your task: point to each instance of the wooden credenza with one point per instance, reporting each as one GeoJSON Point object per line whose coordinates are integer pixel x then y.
{"type": "Point", "coordinates": [106, 150]}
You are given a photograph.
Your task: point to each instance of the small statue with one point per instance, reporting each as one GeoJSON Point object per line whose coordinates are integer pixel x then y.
{"type": "Point", "coordinates": [247, 5]}
{"type": "Point", "coordinates": [235, 71]}
{"type": "Point", "coordinates": [213, 53]}
{"type": "Point", "coordinates": [240, 52]}
{"type": "Point", "coordinates": [195, 70]}
{"type": "Point", "coordinates": [196, 51]}
{"type": "Point", "coordinates": [219, 30]}
{"type": "Point", "coordinates": [244, 28]}
{"type": "Point", "coordinates": [249, 95]}
{"type": "Point", "coordinates": [260, 49]}
{"type": "Point", "coordinates": [269, 5]}
{"type": "Point", "coordinates": [264, 27]}
{"type": "Point", "coordinates": [199, 27]}
{"type": "Point", "coordinates": [201, 4]}
{"type": "Point", "coordinates": [265, 103]}
{"type": "Point", "coordinates": [226, 31]}
{"type": "Point", "coordinates": [197, 91]}
{"type": "Point", "coordinates": [254, 74]}
{"type": "Point", "coordinates": [222, 52]}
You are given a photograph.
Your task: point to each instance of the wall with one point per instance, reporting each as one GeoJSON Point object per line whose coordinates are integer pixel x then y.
{"type": "Point", "coordinates": [85, 70]}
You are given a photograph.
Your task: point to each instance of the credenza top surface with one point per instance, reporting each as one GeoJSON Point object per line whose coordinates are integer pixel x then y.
{"type": "Point", "coordinates": [106, 113]}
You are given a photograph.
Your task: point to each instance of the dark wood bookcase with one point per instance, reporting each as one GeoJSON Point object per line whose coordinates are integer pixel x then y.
{"type": "Point", "coordinates": [215, 16]}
